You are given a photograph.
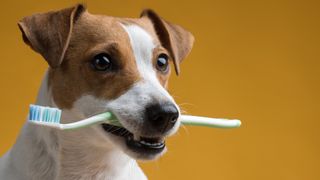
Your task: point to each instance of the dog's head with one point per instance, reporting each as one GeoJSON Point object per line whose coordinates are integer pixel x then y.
{"type": "Point", "coordinates": [101, 63]}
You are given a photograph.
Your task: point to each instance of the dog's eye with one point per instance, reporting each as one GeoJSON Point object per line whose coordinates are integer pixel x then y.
{"type": "Point", "coordinates": [162, 62]}
{"type": "Point", "coordinates": [102, 62]}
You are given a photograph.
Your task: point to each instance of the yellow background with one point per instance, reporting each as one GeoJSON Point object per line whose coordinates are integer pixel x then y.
{"type": "Point", "coordinates": [258, 61]}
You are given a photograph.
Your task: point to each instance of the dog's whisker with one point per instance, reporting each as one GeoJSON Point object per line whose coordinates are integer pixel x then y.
{"type": "Point", "coordinates": [184, 104]}
{"type": "Point", "coordinates": [183, 111]}
{"type": "Point", "coordinates": [175, 96]}
{"type": "Point", "coordinates": [185, 129]}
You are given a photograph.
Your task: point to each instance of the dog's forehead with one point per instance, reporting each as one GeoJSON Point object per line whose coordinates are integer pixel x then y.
{"type": "Point", "coordinates": [143, 23]}
{"type": "Point", "coordinates": [101, 28]}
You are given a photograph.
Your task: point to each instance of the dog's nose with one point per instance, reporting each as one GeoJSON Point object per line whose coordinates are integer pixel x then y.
{"type": "Point", "coordinates": [162, 117]}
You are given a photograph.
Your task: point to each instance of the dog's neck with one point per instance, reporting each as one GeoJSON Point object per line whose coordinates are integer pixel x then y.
{"type": "Point", "coordinates": [64, 155]}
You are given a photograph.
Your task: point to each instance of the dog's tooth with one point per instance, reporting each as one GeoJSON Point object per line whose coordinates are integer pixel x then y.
{"type": "Point", "coordinates": [152, 143]}
{"type": "Point", "coordinates": [146, 143]}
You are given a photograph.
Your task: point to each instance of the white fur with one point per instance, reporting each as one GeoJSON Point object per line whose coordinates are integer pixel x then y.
{"type": "Point", "coordinates": [90, 153]}
{"type": "Point", "coordinates": [143, 46]}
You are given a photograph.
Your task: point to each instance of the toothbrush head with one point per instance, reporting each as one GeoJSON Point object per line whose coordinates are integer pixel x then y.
{"type": "Point", "coordinates": [50, 117]}
{"type": "Point", "coordinates": [44, 114]}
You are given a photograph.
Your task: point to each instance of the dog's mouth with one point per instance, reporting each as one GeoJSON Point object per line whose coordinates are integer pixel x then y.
{"type": "Point", "coordinates": [139, 145]}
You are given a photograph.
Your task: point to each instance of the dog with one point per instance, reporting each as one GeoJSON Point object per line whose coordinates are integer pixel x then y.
{"type": "Point", "coordinates": [99, 63]}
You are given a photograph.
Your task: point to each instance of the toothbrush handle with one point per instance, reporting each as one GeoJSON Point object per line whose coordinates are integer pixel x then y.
{"type": "Point", "coordinates": [185, 119]}
{"type": "Point", "coordinates": [106, 117]}
{"type": "Point", "coordinates": [209, 122]}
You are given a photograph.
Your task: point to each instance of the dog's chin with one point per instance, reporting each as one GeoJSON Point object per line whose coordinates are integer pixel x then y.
{"type": "Point", "coordinates": [137, 147]}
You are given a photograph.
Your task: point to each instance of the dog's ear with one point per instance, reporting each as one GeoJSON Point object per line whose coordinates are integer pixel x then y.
{"type": "Point", "coordinates": [49, 33]}
{"type": "Point", "coordinates": [174, 38]}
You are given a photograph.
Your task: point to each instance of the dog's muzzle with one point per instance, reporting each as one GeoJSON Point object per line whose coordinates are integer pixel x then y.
{"type": "Point", "coordinates": [159, 119]}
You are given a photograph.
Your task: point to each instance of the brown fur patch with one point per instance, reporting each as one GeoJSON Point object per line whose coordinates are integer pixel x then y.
{"type": "Point", "coordinates": [49, 33]}
{"type": "Point", "coordinates": [174, 38]}
{"type": "Point", "coordinates": [75, 77]}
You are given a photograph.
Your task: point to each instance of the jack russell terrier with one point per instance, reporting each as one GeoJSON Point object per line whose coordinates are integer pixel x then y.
{"type": "Point", "coordinates": [96, 64]}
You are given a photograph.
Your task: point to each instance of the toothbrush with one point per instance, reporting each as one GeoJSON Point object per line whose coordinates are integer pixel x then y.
{"type": "Point", "coordinates": [47, 116]}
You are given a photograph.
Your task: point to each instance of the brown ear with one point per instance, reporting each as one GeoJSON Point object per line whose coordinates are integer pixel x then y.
{"type": "Point", "coordinates": [174, 38]}
{"type": "Point", "coordinates": [49, 33]}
